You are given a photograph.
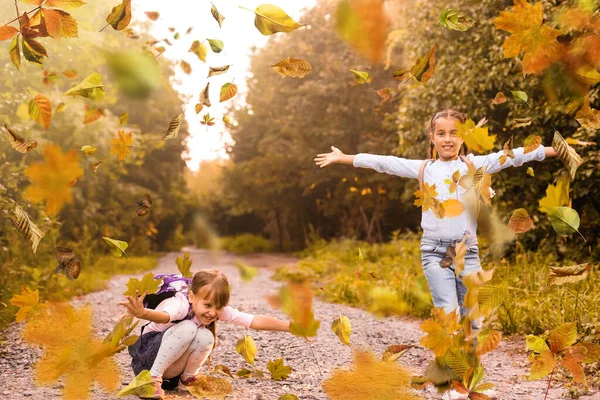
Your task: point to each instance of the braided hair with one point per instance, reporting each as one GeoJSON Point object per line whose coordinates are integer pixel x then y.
{"type": "Point", "coordinates": [446, 113]}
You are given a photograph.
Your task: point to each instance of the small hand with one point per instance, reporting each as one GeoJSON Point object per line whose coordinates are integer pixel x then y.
{"type": "Point", "coordinates": [481, 122]}
{"type": "Point", "coordinates": [326, 159]}
{"type": "Point", "coordinates": [134, 306]}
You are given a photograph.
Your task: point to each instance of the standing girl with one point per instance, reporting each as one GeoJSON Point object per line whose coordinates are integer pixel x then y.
{"type": "Point", "coordinates": [181, 334]}
{"type": "Point", "coordinates": [446, 289]}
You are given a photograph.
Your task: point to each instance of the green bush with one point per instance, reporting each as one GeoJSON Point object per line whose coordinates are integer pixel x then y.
{"type": "Point", "coordinates": [390, 281]}
{"type": "Point", "coordinates": [245, 243]}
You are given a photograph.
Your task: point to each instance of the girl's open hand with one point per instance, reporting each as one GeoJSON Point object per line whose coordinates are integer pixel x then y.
{"type": "Point", "coordinates": [134, 306]}
{"type": "Point", "coordinates": [325, 159]}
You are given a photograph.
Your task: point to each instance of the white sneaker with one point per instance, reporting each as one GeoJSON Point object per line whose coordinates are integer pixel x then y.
{"type": "Point", "coordinates": [452, 394]}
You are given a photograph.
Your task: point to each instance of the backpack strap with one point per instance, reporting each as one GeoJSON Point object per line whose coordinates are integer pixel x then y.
{"type": "Point", "coordinates": [421, 172]}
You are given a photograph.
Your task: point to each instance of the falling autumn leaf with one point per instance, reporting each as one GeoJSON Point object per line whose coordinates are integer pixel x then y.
{"type": "Point", "coordinates": [385, 93]}
{"type": "Point", "coordinates": [531, 143]}
{"type": "Point", "coordinates": [27, 228]}
{"type": "Point", "coordinates": [361, 76]}
{"type": "Point", "coordinates": [121, 145]}
{"type": "Point", "coordinates": [70, 73]}
{"type": "Point", "coordinates": [199, 50]}
{"type": "Point", "coordinates": [507, 151]}
{"type": "Point", "coordinates": [278, 369]}
{"type": "Point", "coordinates": [198, 107]}
{"type": "Point", "coordinates": [216, 45]}
{"type": "Point", "coordinates": [92, 114]}
{"type": "Point", "coordinates": [342, 327]}
{"type": "Point", "coordinates": [207, 120]}
{"type": "Point", "coordinates": [28, 302]}
{"type": "Point", "coordinates": [566, 154]}
{"type": "Point", "coordinates": [152, 15]}
{"type": "Point", "coordinates": [425, 66]}
{"type": "Point", "coordinates": [293, 67]}
{"type": "Point", "coordinates": [212, 71]}
{"type": "Point", "coordinates": [520, 96]}
{"type": "Point", "coordinates": [520, 221]}
{"type": "Point", "coordinates": [185, 67]}
{"type": "Point", "coordinates": [217, 15]}
{"type": "Point", "coordinates": [271, 19]}
{"type": "Point", "coordinates": [120, 16]}
{"type": "Point", "coordinates": [174, 127]}
{"type": "Point", "coordinates": [246, 348]}
{"type": "Point", "coordinates": [123, 119]}
{"type": "Point", "coordinates": [203, 99]}
{"type": "Point", "coordinates": [51, 179]}
{"type": "Point", "coordinates": [476, 137]}
{"type": "Point", "coordinates": [91, 88]}
{"type": "Point", "coordinates": [88, 150]}
{"type": "Point", "coordinates": [228, 90]}
{"type": "Point", "coordinates": [40, 110]}
{"type": "Point", "coordinates": [455, 20]}
{"type": "Point", "coordinates": [18, 142]}
{"type": "Point", "coordinates": [96, 165]}
{"type": "Point", "coordinates": [530, 172]}
{"type": "Point", "coordinates": [529, 36]}
{"type": "Point", "coordinates": [364, 25]}
{"type": "Point", "coordinates": [499, 99]}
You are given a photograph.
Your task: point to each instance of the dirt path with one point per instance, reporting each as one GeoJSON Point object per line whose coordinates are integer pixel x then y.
{"type": "Point", "coordinates": [506, 367]}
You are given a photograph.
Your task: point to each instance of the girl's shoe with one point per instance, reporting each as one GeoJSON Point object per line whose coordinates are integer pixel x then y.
{"type": "Point", "coordinates": [454, 395]}
{"type": "Point", "coordinates": [160, 393]}
{"type": "Point", "coordinates": [188, 381]}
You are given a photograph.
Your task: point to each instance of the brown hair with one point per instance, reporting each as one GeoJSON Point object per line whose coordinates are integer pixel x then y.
{"type": "Point", "coordinates": [211, 284]}
{"type": "Point", "coordinates": [446, 113]}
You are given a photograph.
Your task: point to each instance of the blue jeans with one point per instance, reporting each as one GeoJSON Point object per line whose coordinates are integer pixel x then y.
{"type": "Point", "coordinates": [447, 290]}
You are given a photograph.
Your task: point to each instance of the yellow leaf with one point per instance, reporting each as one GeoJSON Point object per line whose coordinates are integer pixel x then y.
{"type": "Point", "coordinates": [228, 90]}
{"type": "Point", "coordinates": [440, 331]}
{"type": "Point", "coordinates": [278, 369]}
{"type": "Point", "coordinates": [488, 341]}
{"type": "Point", "coordinates": [529, 36]}
{"type": "Point", "coordinates": [541, 365]}
{"type": "Point", "coordinates": [15, 52]}
{"type": "Point", "coordinates": [295, 300]}
{"type": "Point", "coordinates": [530, 172]}
{"type": "Point", "coordinates": [293, 67]}
{"type": "Point", "coordinates": [59, 24]}
{"type": "Point", "coordinates": [88, 150]}
{"type": "Point", "coordinates": [120, 16]}
{"type": "Point", "coordinates": [207, 386]}
{"type": "Point", "coordinates": [361, 76]}
{"type": "Point", "coordinates": [40, 110]}
{"type": "Point", "coordinates": [246, 348]}
{"type": "Point", "coordinates": [271, 19]}
{"type": "Point", "coordinates": [147, 284]}
{"type": "Point", "coordinates": [64, 3]}
{"type": "Point", "coordinates": [123, 118]}
{"type": "Point", "coordinates": [8, 32]}
{"type": "Point", "coordinates": [425, 66]}
{"type": "Point", "coordinates": [363, 24]}
{"type": "Point", "coordinates": [342, 328]}
{"type": "Point", "coordinates": [477, 138]}
{"type": "Point", "coordinates": [199, 50]}
{"type": "Point", "coordinates": [588, 118]}
{"type": "Point", "coordinates": [562, 337]}
{"type": "Point", "coordinates": [121, 145]}
{"type": "Point", "coordinates": [52, 179]}
{"type": "Point", "coordinates": [91, 88]}
{"type": "Point", "coordinates": [247, 272]}
{"type": "Point", "coordinates": [28, 302]}
{"type": "Point", "coordinates": [141, 385]}
{"type": "Point", "coordinates": [452, 208]}
{"type": "Point", "coordinates": [556, 195]}
{"type": "Point", "coordinates": [426, 198]}
{"type": "Point", "coordinates": [370, 379]}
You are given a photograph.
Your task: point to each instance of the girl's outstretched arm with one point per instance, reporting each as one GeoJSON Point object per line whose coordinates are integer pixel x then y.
{"type": "Point", "coordinates": [550, 152]}
{"type": "Point", "coordinates": [336, 156]}
{"type": "Point", "coordinates": [266, 323]}
{"type": "Point", "coordinates": [135, 308]}
{"type": "Point", "coordinates": [492, 160]}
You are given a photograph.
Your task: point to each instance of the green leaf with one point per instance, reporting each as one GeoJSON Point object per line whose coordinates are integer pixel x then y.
{"type": "Point", "coordinates": [455, 20]}
{"type": "Point", "coordinates": [520, 97]}
{"type": "Point", "coordinates": [278, 370]}
{"type": "Point", "coordinates": [361, 76]}
{"type": "Point", "coordinates": [342, 328]}
{"type": "Point", "coordinates": [216, 45]}
{"type": "Point", "coordinates": [246, 348]}
{"type": "Point", "coordinates": [137, 74]}
{"type": "Point", "coordinates": [271, 19]}
{"type": "Point", "coordinates": [91, 88]}
{"type": "Point", "coordinates": [147, 284]}
{"type": "Point", "coordinates": [123, 118]}
{"type": "Point", "coordinates": [247, 272]}
{"type": "Point", "coordinates": [142, 385]}
{"type": "Point", "coordinates": [564, 220]}
{"type": "Point", "coordinates": [184, 264]}
{"type": "Point", "coordinates": [117, 247]}
{"type": "Point", "coordinates": [458, 361]}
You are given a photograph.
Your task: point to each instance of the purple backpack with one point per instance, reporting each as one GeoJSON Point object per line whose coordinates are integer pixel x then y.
{"type": "Point", "coordinates": [172, 284]}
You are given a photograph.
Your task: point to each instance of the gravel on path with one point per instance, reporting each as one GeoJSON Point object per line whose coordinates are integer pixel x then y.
{"type": "Point", "coordinates": [506, 366]}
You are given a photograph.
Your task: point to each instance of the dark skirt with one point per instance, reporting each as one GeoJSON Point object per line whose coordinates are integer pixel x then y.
{"type": "Point", "coordinates": [143, 353]}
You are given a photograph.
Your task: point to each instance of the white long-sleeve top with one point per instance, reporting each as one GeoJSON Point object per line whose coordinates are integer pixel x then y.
{"type": "Point", "coordinates": [436, 173]}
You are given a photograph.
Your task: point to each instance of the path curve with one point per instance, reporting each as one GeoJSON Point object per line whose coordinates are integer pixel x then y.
{"type": "Point", "coordinates": [506, 366]}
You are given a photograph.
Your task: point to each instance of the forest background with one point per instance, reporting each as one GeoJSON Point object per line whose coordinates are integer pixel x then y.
{"type": "Point", "coordinates": [270, 186]}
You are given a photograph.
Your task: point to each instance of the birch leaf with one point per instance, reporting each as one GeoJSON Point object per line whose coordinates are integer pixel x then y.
{"type": "Point", "coordinates": [216, 45]}
{"type": "Point", "coordinates": [342, 328]}
{"type": "Point", "coordinates": [199, 49]}
{"type": "Point", "coordinates": [271, 19]}
{"type": "Point", "coordinates": [228, 90]}
{"type": "Point", "coordinates": [27, 228]}
{"type": "Point", "coordinates": [566, 154]}
{"type": "Point", "coordinates": [499, 99]}
{"type": "Point", "coordinates": [91, 88]}
{"type": "Point", "coordinates": [520, 221]}
{"type": "Point", "coordinates": [204, 100]}
{"type": "Point", "coordinates": [361, 76]}
{"type": "Point", "coordinates": [565, 220]}
{"type": "Point", "coordinates": [185, 67]}
{"type": "Point", "coordinates": [120, 16]}
{"type": "Point", "coordinates": [174, 126]}
{"type": "Point", "coordinates": [293, 67]}
{"type": "Point", "coordinates": [520, 96]}
{"type": "Point", "coordinates": [531, 143]}
{"type": "Point", "coordinates": [117, 247]}
{"type": "Point", "coordinates": [40, 110]}
{"type": "Point", "coordinates": [217, 15]}
{"type": "Point", "coordinates": [246, 348]}
{"type": "Point", "coordinates": [212, 71]}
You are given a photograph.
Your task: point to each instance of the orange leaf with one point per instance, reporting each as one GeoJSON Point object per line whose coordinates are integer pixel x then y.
{"type": "Point", "coordinates": [51, 179]}
{"type": "Point", "coordinates": [499, 99]}
{"type": "Point", "coordinates": [28, 302]}
{"type": "Point", "coordinates": [60, 24]}
{"type": "Point", "coordinates": [153, 15]}
{"type": "Point", "coordinates": [520, 221]}
{"type": "Point", "coordinates": [529, 36]}
{"type": "Point", "coordinates": [40, 110]}
{"type": "Point", "coordinates": [7, 32]}
{"type": "Point", "coordinates": [121, 145]}
{"type": "Point", "coordinates": [573, 365]}
{"type": "Point", "coordinates": [92, 114]}
{"type": "Point", "coordinates": [452, 208]}
{"type": "Point", "coordinates": [531, 143]}
{"type": "Point", "coordinates": [440, 330]}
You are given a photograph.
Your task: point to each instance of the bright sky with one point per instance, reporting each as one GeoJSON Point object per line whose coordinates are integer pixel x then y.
{"type": "Point", "coordinates": [238, 35]}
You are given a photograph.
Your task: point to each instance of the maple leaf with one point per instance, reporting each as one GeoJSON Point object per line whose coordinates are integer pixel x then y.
{"type": "Point", "coordinates": [184, 264]}
{"type": "Point", "coordinates": [279, 371]}
{"type": "Point", "coordinates": [28, 302]}
{"type": "Point", "coordinates": [476, 137]}
{"type": "Point", "coordinates": [71, 351]}
{"type": "Point", "coordinates": [212, 387]}
{"type": "Point", "coordinates": [52, 179]}
{"type": "Point", "coordinates": [147, 284]}
{"type": "Point", "coordinates": [440, 331]}
{"type": "Point", "coordinates": [121, 145]}
{"type": "Point", "coordinates": [425, 198]}
{"type": "Point", "coordinates": [556, 195]}
{"type": "Point", "coordinates": [370, 379]}
{"type": "Point", "coordinates": [529, 36]}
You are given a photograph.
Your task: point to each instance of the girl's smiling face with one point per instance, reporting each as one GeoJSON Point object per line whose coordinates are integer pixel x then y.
{"type": "Point", "coordinates": [206, 308]}
{"type": "Point", "coordinates": [444, 139]}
